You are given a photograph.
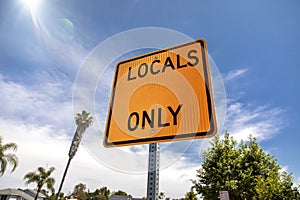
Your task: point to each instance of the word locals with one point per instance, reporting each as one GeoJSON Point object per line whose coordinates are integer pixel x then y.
{"type": "Point", "coordinates": [156, 66]}
{"type": "Point", "coordinates": [135, 118]}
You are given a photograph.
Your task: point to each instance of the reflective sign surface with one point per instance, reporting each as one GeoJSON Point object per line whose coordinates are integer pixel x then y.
{"type": "Point", "coordinates": [162, 96]}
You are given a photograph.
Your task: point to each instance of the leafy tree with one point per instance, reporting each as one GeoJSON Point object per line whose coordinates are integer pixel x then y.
{"type": "Point", "coordinates": [6, 157]}
{"type": "Point", "coordinates": [105, 192]}
{"type": "Point", "coordinates": [53, 196]}
{"type": "Point", "coordinates": [120, 192]}
{"type": "Point", "coordinates": [190, 196]}
{"type": "Point", "coordinates": [102, 194]}
{"type": "Point", "coordinates": [244, 170]}
{"type": "Point", "coordinates": [161, 195]}
{"type": "Point", "coordinates": [41, 177]}
{"type": "Point", "coordinates": [80, 191]}
{"type": "Point", "coordinates": [99, 197]}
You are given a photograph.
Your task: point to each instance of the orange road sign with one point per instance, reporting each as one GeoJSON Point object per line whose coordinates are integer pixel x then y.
{"type": "Point", "coordinates": [162, 96]}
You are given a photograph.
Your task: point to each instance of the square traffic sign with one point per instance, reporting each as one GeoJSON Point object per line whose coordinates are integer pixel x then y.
{"type": "Point", "coordinates": [162, 96]}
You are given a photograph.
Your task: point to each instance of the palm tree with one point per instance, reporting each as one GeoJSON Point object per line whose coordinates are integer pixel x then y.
{"type": "Point", "coordinates": [6, 157]}
{"type": "Point", "coordinates": [41, 177]}
{"type": "Point", "coordinates": [83, 121]}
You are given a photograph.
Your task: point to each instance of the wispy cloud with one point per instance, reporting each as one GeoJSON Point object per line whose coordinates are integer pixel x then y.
{"type": "Point", "coordinates": [262, 122]}
{"type": "Point", "coordinates": [235, 74]}
{"type": "Point", "coordinates": [43, 103]}
{"type": "Point", "coordinates": [40, 146]}
{"type": "Point", "coordinates": [243, 118]}
{"type": "Point", "coordinates": [35, 118]}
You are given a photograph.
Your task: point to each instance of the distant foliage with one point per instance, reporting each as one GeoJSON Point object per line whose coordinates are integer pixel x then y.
{"type": "Point", "coordinates": [7, 157]}
{"type": "Point", "coordinates": [120, 192]}
{"type": "Point", "coordinates": [161, 195]}
{"type": "Point", "coordinates": [100, 194]}
{"type": "Point", "coordinates": [244, 170]}
{"type": "Point", "coordinates": [190, 196]}
{"type": "Point", "coordinates": [79, 192]}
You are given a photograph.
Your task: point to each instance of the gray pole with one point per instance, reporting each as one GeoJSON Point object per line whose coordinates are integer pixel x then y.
{"type": "Point", "coordinates": [153, 172]}
{"type": "Point", "coordinates": [73, 149]}
{"type": "Point", "coordinates": [63, 178]}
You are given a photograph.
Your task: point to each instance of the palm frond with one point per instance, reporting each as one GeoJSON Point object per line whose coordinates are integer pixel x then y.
{"type": "Point", "coordinates": [31, 177]}
{"type": "Point", "coordinates": [41, 170]}
{"type": "Point", "coordinates": [6, 157]}
{"type": "Point", "coordinates": [50, 184]}
{"type": "Point", "coordinates": [10, 146]}
{"type": "Point", "coordinates": [12, 160]}
{"type": "Point", "coordinates": [51, 169]}
{"type": "Point", "coordinates": [83, 119]}
{"type": "Point", "coordinates": [3, 163]}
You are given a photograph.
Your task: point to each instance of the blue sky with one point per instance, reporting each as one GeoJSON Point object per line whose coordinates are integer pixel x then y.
{"type": "Point", "coordinates": [254, 45]}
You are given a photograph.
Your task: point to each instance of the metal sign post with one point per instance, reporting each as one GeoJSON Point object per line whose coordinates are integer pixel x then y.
{"type": "Point", "coordinates": [153, 172]}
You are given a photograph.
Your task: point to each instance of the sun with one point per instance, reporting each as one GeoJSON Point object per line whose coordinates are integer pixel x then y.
{"type": "Point", "coordinates": [32, 5]}
{"type": "Point", "coordinates": [34, 9]}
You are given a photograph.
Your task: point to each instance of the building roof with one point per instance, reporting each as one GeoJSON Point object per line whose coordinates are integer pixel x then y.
{"type": "Point", "coordinates": [33, 193]}
{"type": "Point", "coordinates": [16, 192]}
{"type": "Point", "coordinates": [119, 197]}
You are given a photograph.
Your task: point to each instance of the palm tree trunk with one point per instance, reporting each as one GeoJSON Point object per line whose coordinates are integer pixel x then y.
{"type": "Point", "coordinates": [37, 192]}
{"type": "Point", "coordinates": [76, 140]}
{"type": "Point", "coordinates": [63, 178]}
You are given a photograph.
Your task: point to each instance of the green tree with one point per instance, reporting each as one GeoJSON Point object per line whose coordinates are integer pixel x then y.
{"type": "Point", "coordinates": [161, 195]}
{"type": "Point", "coordinates": [104, 192]}
{"type": "Point", "coordinates": [53, 196]}
{"type": "Point", "coordinates": [100, 194]}
{"type": "Point", "coordinates": [190, 195]}
{"type": "Point", "coordinates": [244, 170]}
{"type": "Point", "coordinates": [99, 197]}
{"type": "Point", "coordinates": [7, 157]}
{"type": "Point", "coordinates": [120, 192]}
{"type": "Point", "coordinates": [83, 121]}
{"type": "Point", "coordinates": [41, 177]}
{"type": "Point", "coordinates": [80, 191]}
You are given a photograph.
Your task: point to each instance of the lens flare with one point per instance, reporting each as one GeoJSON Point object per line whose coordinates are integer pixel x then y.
{"type": "Point", "coordinates": [33, 6]}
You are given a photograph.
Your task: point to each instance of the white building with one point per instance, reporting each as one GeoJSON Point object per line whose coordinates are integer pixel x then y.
{"type": "Point", "coordinates": [19, 194]}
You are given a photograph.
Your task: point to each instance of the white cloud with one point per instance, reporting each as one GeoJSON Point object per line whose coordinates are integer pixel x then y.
{"type": "Point", "coordinates": [235, 74]}
{"type": "Point", "coordinates": [284, 169]}
{"type": "Point", "coordinates": [261, 122]}
{"type": "Point", "coordinates": [44, 103]}
{"type": "Point", "coordinates": [176, 180]}
{"type": "Point", "coordinates": [37, 146]}
{"type": "Point", "coordinates": [40, 146]}
{"type": "Point", "coordinates": [36, 118]}
{"type": "Point", "coordinates": [32, 120]}
{"type": "Point", "coordinates": [244, 119]}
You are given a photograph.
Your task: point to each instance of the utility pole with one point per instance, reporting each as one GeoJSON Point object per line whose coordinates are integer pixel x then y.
{"type": "Point", "coordinates": [153, 172]}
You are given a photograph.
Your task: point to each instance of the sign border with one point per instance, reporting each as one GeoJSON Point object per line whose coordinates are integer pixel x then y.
{"type": "Point", "coordinates": [211, 108]}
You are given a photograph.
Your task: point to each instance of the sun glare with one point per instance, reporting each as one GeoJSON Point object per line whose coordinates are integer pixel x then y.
{"type": "Point", "coordinates": [32, 5]}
